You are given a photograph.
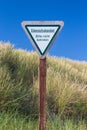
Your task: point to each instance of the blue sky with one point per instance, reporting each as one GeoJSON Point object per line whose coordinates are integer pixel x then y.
{"type": "Point", "coordinates": [72, 41]}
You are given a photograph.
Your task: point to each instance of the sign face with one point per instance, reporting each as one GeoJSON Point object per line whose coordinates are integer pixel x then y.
{"type": "Point", "coordinates": [42, 34]}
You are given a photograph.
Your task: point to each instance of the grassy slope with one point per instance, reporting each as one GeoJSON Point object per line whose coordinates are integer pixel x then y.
{"type": "Point", "coordinates": [66, 84]}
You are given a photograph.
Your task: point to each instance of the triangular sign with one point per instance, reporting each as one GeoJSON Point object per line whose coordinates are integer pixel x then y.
{"type": "Point", "coordinates": [42, 34]}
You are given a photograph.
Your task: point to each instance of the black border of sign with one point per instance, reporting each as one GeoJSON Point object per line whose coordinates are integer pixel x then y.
{"type": "Point", "coordinates": [42, 54]}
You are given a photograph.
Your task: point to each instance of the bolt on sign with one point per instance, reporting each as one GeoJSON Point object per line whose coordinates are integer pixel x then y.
{"type": "Point", "coordinates": [42, 35]}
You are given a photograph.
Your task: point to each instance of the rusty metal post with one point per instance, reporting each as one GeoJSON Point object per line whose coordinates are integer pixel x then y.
{"type": "Point", "coordinates": [42, 94]}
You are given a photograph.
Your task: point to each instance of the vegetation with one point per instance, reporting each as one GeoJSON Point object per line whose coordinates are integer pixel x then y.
{"type": "Point", "coordinates": [66, 89]}
{"type": "Point", "coordinates": [16, 122]}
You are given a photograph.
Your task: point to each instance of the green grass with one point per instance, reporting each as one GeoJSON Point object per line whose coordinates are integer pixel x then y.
{"type": "Point", "coordinates": [66, 88]}
{"type": "Point", "coordinates": [15, 122]}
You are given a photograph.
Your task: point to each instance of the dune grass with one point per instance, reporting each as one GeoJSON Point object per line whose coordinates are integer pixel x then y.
{"type": "Point", "coordinates": [66, 86]}
{"type": "Point", "coordinates": [15, 122]}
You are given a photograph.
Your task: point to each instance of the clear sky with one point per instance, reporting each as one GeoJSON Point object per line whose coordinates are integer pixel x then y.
{"type": "Point", "coordinates": [72, 41]}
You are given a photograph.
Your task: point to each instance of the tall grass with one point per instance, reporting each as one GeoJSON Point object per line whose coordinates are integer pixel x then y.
{"type": "Point", "coordinates": [15, 122]}
{"type": "Point", "coordinates": [17, 80]}
{"type": "Point", "coordinates": [66, 84]}
{"type": "Point", "coordinates": [66, 91]}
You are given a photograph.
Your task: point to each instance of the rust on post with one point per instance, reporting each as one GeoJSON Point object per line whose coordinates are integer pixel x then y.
{"type": "Point", "coordinates": [42, 94]}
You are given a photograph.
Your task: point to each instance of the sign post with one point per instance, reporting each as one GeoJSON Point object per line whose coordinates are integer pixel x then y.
{"type": "Point", "coordinates": [42, 94]}
{"type": "Point", "coordinates": [42, 35]}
